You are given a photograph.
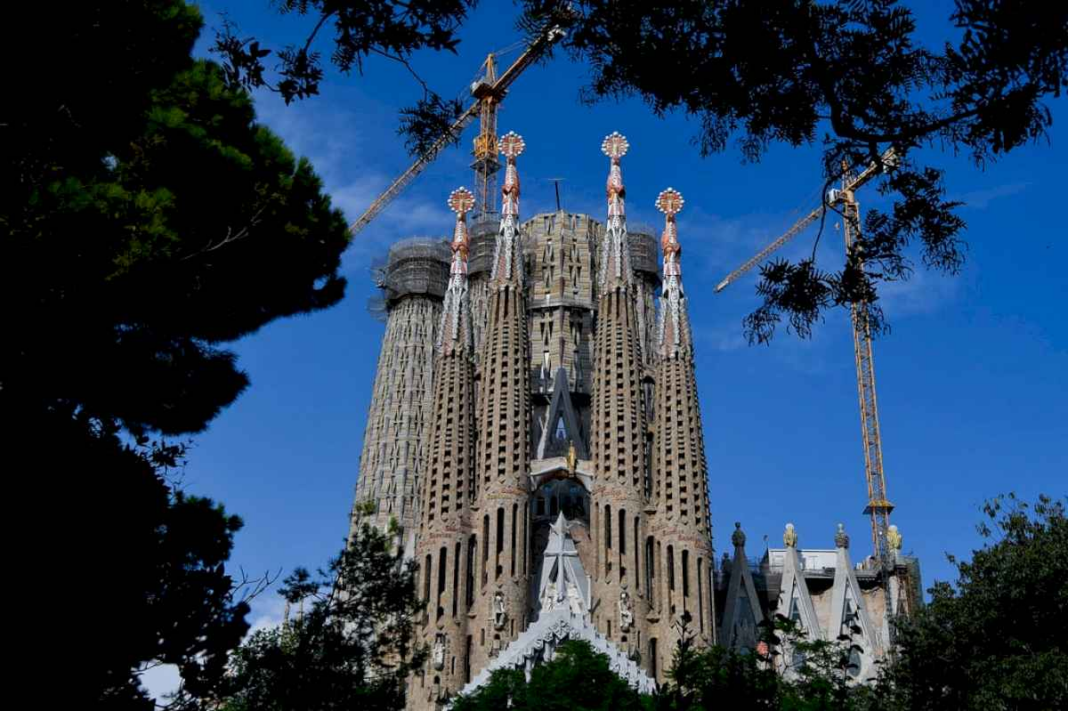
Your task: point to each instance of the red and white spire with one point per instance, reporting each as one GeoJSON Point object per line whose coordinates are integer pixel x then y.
{"type": "Point", "coordinates": [506, 259]}
{"type": "Point", "coordinates": [455, 331]}
{"type": "Point", "coordinates": [672, 316]}
{"type": "Point", "coordinates": [615, 249]}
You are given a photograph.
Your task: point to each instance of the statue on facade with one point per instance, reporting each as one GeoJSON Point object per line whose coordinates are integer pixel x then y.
{"type": "Point", "coordinates": [500, 615]}
{"type": "Point", "coordinates": [574, 599]}
{"type": "Point", "coordinates": [626, 614]}
{"type": "Point", "coordinates": [437, 654]}
{"type": "Point", "coordinates": [548, 601]}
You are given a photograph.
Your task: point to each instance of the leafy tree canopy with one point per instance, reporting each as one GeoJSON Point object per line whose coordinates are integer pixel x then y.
{"type": "Point", "coordinates": [393, 29]}
{"type": "Point", "coordinates": [848, 74]}
{"type": "Point", "coordinates": [995, 639]}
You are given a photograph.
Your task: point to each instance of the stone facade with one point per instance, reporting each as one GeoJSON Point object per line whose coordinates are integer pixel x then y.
{"type": "Point", "coordinates": [563, 485]}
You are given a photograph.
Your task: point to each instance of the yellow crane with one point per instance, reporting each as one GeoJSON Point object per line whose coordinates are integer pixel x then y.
{"type": "Point", "coordinates": [878, 507]}
{"type": "Point", "coordinates": [488, 91]}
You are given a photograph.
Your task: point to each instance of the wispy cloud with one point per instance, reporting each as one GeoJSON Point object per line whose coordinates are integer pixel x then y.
{"type": "Point", "coordinates": [337, 144]}
{"type": "Point", "coordinates": [925, 292]}
{"type": "Point", "coordinates": [981, 199]}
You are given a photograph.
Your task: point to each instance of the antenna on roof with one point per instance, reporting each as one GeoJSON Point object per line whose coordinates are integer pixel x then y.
{"type": "Point", "coordinates": [556, 184]}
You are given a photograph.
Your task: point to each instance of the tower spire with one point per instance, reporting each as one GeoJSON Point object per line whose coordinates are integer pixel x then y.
{"type": "Point", "coordinates": [507, 262]}
{"type": "Point", "coordinates": [673, 332]}
{"type": "Point", "coordinates": [455, 332]}
{"type": "Point", "coordinates": [681, 470]}
{"type": "Point", "coordinates": [615, 250]}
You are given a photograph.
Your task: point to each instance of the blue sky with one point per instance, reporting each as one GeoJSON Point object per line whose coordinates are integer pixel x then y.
{"type": "Point", "coordinates": [972, 380]}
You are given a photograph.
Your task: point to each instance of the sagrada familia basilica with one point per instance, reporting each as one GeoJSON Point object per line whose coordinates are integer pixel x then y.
{"type": "Point", "coordinates": [535, 437]}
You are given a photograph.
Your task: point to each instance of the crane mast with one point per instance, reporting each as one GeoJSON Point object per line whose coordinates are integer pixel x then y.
{"type": "Point", "coordinates": [878, 507]}
{"type": "Point", "coordinates": [486, 163]}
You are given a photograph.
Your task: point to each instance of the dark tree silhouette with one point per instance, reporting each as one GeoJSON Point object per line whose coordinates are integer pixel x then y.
{"type": "Point", "coordinates": [393, 29]}
{"type": "Point", "coordinates": [147, 219]}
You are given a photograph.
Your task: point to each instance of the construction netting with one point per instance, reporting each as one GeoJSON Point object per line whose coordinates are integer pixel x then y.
{"type": "Point", "coordinates": [644, 256]}
{"type": "Point", "coordinates": [417, 265]}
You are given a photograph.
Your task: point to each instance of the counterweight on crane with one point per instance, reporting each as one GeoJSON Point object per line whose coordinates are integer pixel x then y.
{"type": "Point", "coordinates": [488, 92]}
{"type": "Point", "coordinates": [878, 507]}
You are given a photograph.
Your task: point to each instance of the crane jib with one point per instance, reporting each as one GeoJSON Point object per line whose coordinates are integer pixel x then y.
{"type": "Point", "coordinates": [887, 159]}
{"type": "Point", "coordinates": [451, 134]}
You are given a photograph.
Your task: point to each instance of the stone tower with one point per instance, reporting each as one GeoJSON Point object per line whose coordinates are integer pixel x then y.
{"type": "Point", "coordinates": [446, 549]}
{"type": "Point", "coordinates": [502, 482]}
{"type": "Point", "coordinates": [393, 459]}
{"type": "Point", "coordinates": [621, 483]}
{"type": "Point", "coordinates": [680, 541]}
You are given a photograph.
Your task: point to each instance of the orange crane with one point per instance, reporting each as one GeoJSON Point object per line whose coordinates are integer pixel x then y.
{"type": "Point", "coordinates": [878, 507]}
{"type": "Point", "coordinates": [488, 92]}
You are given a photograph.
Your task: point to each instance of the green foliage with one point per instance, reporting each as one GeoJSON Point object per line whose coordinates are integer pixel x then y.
{"type": "Point", "coordinates": [850, 75]}
{"type": "Point", "coordinates": [795, 674]}
{"type": "Point", "coordinates": [347, 643]}
{"type": "Point", "coordinates": [576, 678]}
{"type": "Point", "coordinates": [994, 640]}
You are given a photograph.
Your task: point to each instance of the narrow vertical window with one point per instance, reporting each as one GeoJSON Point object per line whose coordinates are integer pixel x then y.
{"type": "Point", "coordinates": [467, 660]}
{"type": "Point", "coordinates": [650, 577]}
{"type": "Point", "coordinates": [456, 581]}
{"type": "Point", "coordinates": [671, 568]}
{"type": "Point", "coordinates": [485, 548]}
{"type": "Point", "coordinates": [686, 573]}
{"type": "Point", "coordinates": [469, 585]}
{"type": "Point", "coordinates": [442, 554]}
{"type": "Point", "coordinates": [637, 556]}
{"type": "Point", "coordinates": [700, 594]}
{"type": "Point", "coordinates": [500, 541]}
{"type": "Point", "coordinates": [515, 517]}
{"type": "Point", "coordinates": [426, 579]}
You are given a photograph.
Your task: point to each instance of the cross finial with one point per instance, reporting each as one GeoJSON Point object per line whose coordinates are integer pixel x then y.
{"type": "Point", "coordinates": [670, 202]}
{"type": "Point", "coordinates": [512, 144]}
{"type": "Point", "coordinates": [461, 200]}
{"type": "Point", "coordinates": [615, 145]}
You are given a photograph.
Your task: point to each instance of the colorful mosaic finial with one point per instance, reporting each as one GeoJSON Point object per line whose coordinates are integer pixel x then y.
{"type": "Point", "coordinates": [670, 203]}
{"type": "Point", "coordinates": [512, 145]}
{"type": "Point", "coordinates": [615, 145]}
{"type": "Point", "coordinates": [461, 201]}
